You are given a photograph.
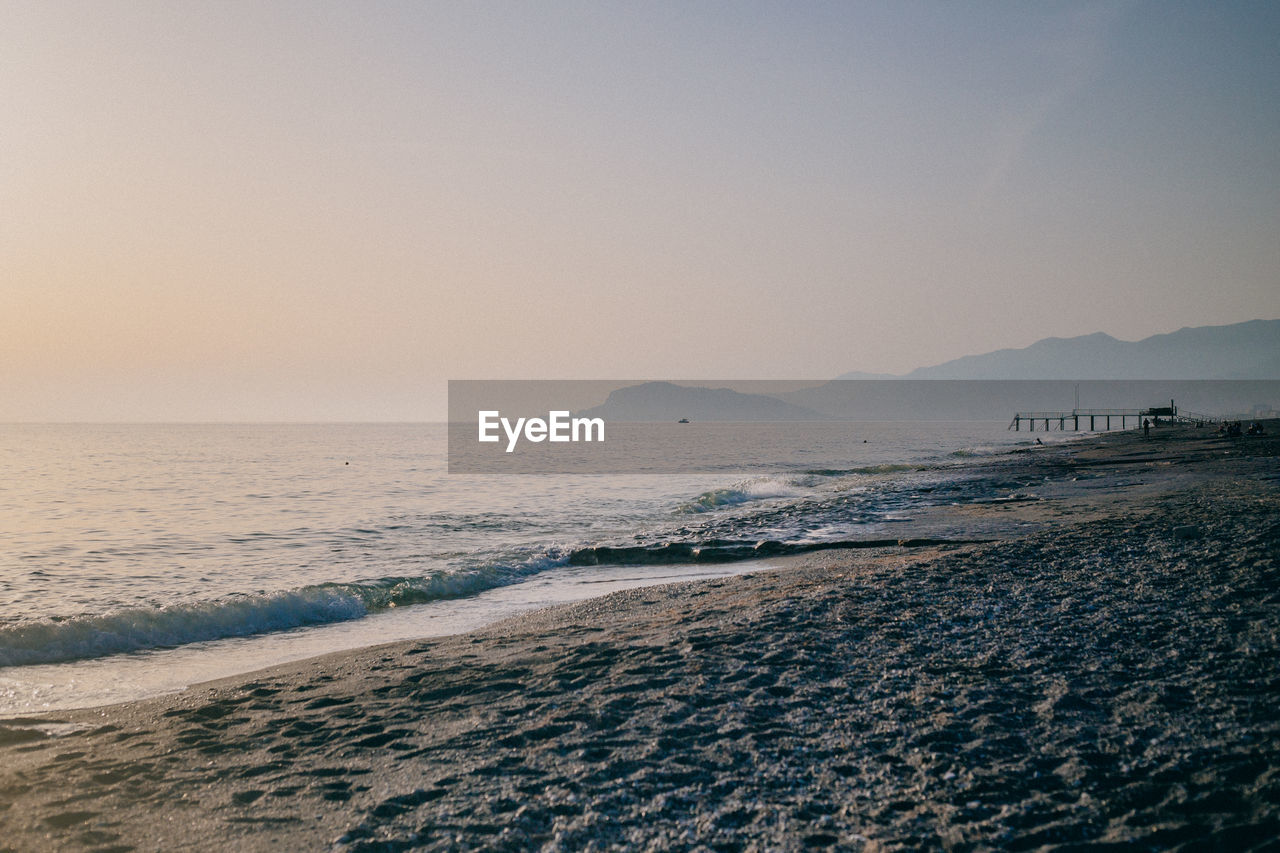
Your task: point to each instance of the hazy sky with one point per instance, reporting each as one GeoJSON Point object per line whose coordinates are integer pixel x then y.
{"type": "Point", "coordinates": [249, 210]}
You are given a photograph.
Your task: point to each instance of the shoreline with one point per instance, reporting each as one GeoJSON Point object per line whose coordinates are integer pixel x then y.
{"type": "Point", "coordinates": [80, 634]}
{"type": "Point", "coordinates": [68, 668]}
{"type": "Point", "coordinates": [1108, 676]}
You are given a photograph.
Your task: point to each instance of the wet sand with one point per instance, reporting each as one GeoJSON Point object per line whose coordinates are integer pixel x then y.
{"type": "Point", "coordinates": [1107, 674]}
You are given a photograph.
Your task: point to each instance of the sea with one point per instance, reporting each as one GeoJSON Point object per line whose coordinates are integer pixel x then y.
{"type": "Point", "coordinates": [138, 559]}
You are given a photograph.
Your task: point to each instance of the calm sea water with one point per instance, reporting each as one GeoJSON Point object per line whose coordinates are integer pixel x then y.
{"type": "Point", "coordinates": [141, 558]}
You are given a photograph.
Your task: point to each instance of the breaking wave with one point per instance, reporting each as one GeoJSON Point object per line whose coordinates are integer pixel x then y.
{"type": "Point", "coordinates": [764, 488]}
{"type": "Point", "coordinates": [131, 629]}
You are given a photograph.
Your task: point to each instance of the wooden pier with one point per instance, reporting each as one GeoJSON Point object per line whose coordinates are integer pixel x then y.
{"type": "Point", "coordinates": [1092, 417]}
{"type": "Point", "coordinates": [1105, 419]}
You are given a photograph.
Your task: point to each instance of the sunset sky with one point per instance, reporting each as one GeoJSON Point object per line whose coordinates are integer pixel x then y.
{"type": "Point", "coordinates": [297, 211]}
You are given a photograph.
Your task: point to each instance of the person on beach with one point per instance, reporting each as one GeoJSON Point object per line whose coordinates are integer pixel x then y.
{"type": "Point", "coordinates": [1146, 428]}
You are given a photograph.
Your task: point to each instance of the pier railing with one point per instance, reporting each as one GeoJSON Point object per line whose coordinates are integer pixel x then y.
{"type": "Point", "coordinates": [1105, 417]}
{"type": "Point", "coordinates": [1093, 419]}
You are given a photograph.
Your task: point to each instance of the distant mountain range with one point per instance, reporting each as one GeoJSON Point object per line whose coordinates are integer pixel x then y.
{"type": "Point", "coordinates": [1239, 351]}
{"type": "Point", "coordinates": [927, 399]}
{"type": "Point", "coordinates": [1211, 369]}
{"type": "Point", "coordinates": [666, 401]}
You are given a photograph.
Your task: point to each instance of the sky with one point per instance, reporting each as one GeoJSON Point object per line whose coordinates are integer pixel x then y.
{"type": "Point", "coordinates": [323, 211]}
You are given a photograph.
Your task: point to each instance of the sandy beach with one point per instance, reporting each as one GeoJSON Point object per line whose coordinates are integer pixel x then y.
{"type": "Point", "coordinates": [1107, 678]}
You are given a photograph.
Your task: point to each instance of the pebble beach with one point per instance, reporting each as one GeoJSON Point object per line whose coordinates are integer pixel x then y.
{"type": "Point", "coordinates": [1107, 680]}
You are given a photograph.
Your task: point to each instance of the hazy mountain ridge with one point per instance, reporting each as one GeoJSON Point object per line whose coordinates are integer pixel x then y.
{"type": "Point", "coordinates": [928, 399]}
{"type": "Point", "coordinates": [1211, 369]}
{"type": "Point", "coordinates": [1249, 350]}
{"type": "Point", "coordinates": [666, 401]}
{"type": "Point", "coordinates": [999, 399]}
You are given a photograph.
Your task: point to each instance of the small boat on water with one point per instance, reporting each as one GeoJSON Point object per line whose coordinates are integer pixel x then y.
{"type": "Point", "coordinates": [683, 421]}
